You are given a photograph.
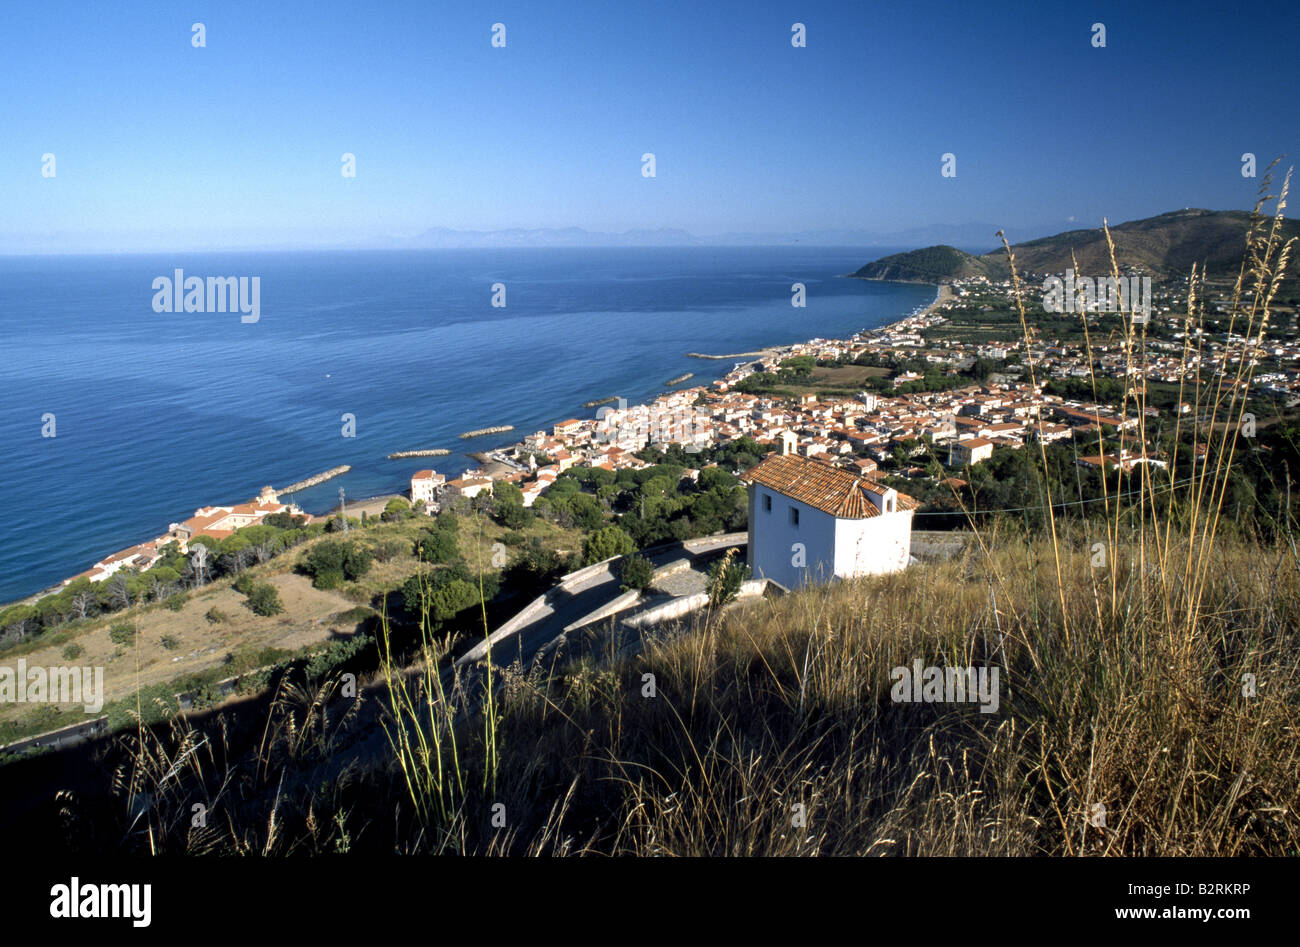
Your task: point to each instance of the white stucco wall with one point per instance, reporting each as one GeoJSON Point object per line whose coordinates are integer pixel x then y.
{"type": "Point", "coordinates": [873, 546]}
{"type": "Point", "coordinates": [773, 537]}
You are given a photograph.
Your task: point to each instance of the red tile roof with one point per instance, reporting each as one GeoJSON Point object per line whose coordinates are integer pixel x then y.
{"type": "Point", "coordinates": [830, 489]}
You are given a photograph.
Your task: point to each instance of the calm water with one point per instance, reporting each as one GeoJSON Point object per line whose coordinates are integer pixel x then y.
{"type": "Point", "coordinates": [158, 414]}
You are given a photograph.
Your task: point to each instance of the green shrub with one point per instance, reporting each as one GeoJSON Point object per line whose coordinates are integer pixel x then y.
{"type": "Point", "coordinates": [436, 546]}
{"type": "Point", "coordinates": [176, 602]}
{"type": "Point", "coordinates": [264, 600]}
{"type": "Point", "coordinates": [329, 563]}
{"type": "Point", "coordinates": [170, 642]}
{"type": "Point", "coordinates": [216, 615]}
{"type": "Point", "coordinates": [329, 579]}
{"type": "Point", "coordinates": [605, 543]}
{"type": "Point", "coordinates": [636, 572]}
{"type": "Point", "coordinates": [73, 651]}
{"type": "Point", "coordinates": [122, 633]}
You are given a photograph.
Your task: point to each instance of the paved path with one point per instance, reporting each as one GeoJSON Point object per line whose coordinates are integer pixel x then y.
{"type": "Point", "coordinates": [591, 589]}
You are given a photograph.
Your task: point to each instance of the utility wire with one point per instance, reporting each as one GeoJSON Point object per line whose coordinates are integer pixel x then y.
{"type": "Point", "coordinates": [1024, 509]}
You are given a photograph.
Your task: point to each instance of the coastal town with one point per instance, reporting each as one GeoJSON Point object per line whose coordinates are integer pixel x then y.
{"type": "Point", "coordinates": [863, 432]}
{"type": "Point", "coordinates": [889, 430]}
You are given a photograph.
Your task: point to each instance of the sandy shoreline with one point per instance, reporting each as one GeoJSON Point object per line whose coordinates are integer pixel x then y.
{"type": "Point", "coordinates": [943, 293]}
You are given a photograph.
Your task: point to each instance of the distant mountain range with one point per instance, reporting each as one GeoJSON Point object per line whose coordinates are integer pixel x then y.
{"type": "Point", "coordinates": [1164, 246]}
{"type": "Point", "coordinates": [976, 236]}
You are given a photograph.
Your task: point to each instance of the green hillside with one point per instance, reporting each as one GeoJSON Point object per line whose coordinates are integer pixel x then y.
{"type": "Point", "coordinates": [1164, 246]}
{"type": "Point", "coordinates": [931, 265]}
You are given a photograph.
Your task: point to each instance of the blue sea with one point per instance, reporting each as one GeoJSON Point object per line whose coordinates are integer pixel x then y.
{"type": "Point", "coordinates": [158, 413]}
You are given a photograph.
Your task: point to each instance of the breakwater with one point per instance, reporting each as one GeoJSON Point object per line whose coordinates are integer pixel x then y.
{"type": "Point", "coordinates": [732, 355]}
{"type": "Point", "coordinates": [435, 452]}
{"type": "Point", "coordinates": [479, 432]}
{"type": "Point", "coordinates": [679, 379]}
{"type": "Point", "coordinates": [312, 481]}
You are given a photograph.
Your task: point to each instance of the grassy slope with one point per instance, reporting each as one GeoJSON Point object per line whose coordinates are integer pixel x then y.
{"type": "Point", "coordinates": [1110, 695]}
{"type": "Point", "coordinates": [788, 701]}
{"type": "Point", "coordinates": [219, 649]}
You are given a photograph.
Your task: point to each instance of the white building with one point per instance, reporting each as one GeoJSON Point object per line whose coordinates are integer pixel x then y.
{"type": "Point", "coordinates": [424, 483]}
{"type": "Point", "coordinates": [810, 522]}
{"type": "Point", "coordinates": [969, 451]}
{"type": "Point", "coordinates": [468, 486]}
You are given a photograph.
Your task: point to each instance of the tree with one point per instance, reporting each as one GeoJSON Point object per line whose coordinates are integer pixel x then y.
{"type": "Point", "coordinates": [505, 490]}
{"type": "Point", "coordinates": [606, 543]}
{"type": "Point", "coordinates": [283, 520]}
{"type": "Point", "coordinates": [198, 564]}
{"type": "Point", "coordinates": [52, 611]}
{"type": "Point", "coordinates": [715, 478]}
{"type": "Point", "coordinates": [585, 510]}
{"type": "Point", "coordinates": [357, 562]}
{"type": "Point", "coordinates": [18, 620]}
{"type": "Point", "coordinates": [536, 569]}
{"type": "Point", "coordinates": [324, 563]}
{"type": "Point", "coordinates": [119, 592]}
{"type": "Point", "coordinates": [81, 603]}
{"type": "Point", "coordinates": [440, 595]}
{"type": "Point", "coordinates": [509, 505]}
{"type": "Point", "coordinates": [637, 572]}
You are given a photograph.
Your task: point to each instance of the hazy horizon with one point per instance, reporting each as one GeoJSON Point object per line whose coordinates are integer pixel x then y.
{"type": "Point", "coordinates": [123, 135]}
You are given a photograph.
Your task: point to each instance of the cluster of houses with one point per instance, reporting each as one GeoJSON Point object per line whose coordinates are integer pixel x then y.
{"type": "Point", "coordinates": [858, 434]}
{"type": "Point", "coordinates": [1177, 357]}
{"type": "Point", "coordinates": [217, 522]}
{"type": "Point", "coordinates": [815, 489]}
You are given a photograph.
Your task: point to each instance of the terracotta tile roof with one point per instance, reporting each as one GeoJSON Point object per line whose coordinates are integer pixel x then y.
{"type": "Point", "coordinates": [830, 489]}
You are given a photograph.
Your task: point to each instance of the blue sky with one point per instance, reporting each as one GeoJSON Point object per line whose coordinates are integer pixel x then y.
{"type": "Point", "coordinates": [162, 145]}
